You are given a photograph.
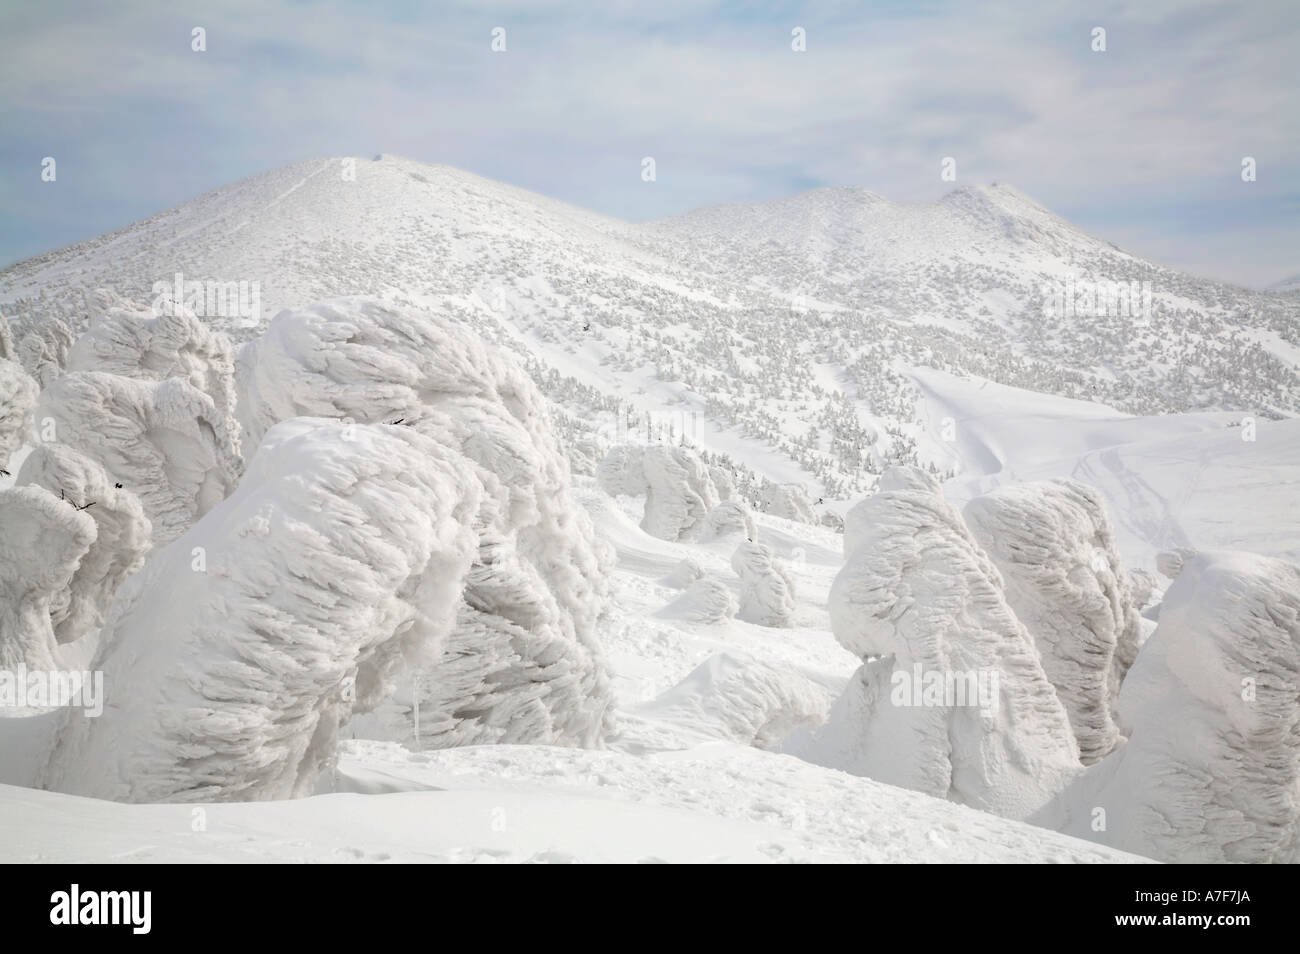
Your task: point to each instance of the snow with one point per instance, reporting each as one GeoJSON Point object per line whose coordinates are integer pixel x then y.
{"type": "Point", "coordinates": [613, 625]}
{"type": "Point", "coordinates": [1211, 771]}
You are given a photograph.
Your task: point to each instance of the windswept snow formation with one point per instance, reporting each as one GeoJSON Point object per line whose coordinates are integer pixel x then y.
{"type": "Point", "coordinates": [1211, 769]}
{"type": "Point", "coordinates": [175, 344]}
{"type": "Point", "coordinates": [675, 481]}
{"type": "Point", "coordinates": [952, 699]}
{"type": "Point", "coordinates": [1053, 544]}
{"type": "Point", "coordinates": [706, 600]}
{"type": "Point", "coordinates": [43, 539]}
{"type": "Point", "coordinates": [164, 441]}
{"type": "Point", "coordinates": [788, 501]}
{"type": "Point", "coordinates": [766, 589]}
{"type": "Point", "coordinates": [524, 663]}
{"type": "Point", "coordinates": [121, 541]}
{"type": "Point", "coordinates": [236, 654]}
{"type": "Point", "coordinates": [898, 477]}
{"type": "Point", "coordinates": [742, 700]}
{"type": "Point", "coordinates": [729, 518]}
{"type": "Point", "coordinates": [17, 401]}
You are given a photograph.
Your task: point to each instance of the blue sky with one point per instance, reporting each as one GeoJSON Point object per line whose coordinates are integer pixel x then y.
{"type": "Point", "coordinates": [1141, 144]}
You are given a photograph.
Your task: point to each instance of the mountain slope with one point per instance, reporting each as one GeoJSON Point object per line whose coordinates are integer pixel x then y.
{"type": "Point", "coordinates": [782, 333]}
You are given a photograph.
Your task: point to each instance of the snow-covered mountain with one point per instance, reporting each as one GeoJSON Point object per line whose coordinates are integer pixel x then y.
{"type": "Point", "coordinates": [785, 330]}
{"type": "Point", "coordinates": [488, 528]}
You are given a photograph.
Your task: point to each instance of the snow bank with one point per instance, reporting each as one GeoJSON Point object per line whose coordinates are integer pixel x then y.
{"type": "Point", "coordinates": [952, 699]}
{"type": "Point", "coordinates": [1055, 548]}
{"type": "Point", "coordinates": [766, 589]}
{"type": "Point", "coordinates": [1211, 770]}
{"type": "Point", "coordinates": [43, 539]}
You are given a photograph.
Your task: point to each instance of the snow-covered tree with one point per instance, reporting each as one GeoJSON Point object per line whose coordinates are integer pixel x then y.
{"type": "Point", "coordinates": [676, 483]}
{"type": "Point", "coordinates": [1062, 574]}
{"type": "Point", "coordinates": [174, 344]}
{"type": "Point", "coordinates": [788, 501]}
{"type": "Point", "coordinates": [42, 541]}
{"type": "Point", "coordinates": [161, 440]}
{"type": "Point", "coordinates": [729, 518]}
{"type": "Point", "coordinates": [121, 541]}
{"type": "Point", "coordinates": [1211, 769]}
{"type": "Point", "coordinates": [742, 700]}
{"type": "Point", "coordinates": [952, 699]}
{"type": "Point", "coordinates": [898, 477]}
{"type": "Point", "coordinates": [539, 587]}
{"type": "Point", "coordinates": [238, 651]}
{"type": "Point", "coordinates": [766, 589]}
{"type": "Point", "coordinates": [18, 394]}
{"type": "Point", "coordinates": [706, 600]}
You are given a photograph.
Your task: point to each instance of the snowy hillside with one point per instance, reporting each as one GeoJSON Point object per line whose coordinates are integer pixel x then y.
{"type": "Point", "coordinates": [784, 331]}
{"type": "Point", "coordinates": [477, 527]}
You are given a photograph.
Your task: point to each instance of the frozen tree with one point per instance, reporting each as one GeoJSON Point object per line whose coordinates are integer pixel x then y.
{"type": "Point", "coordinates": [788, 501]}
{"type": "Point", "coordinates": [907, 477]}
{"type": "Point", "coordinates": [683, 574]}
{"type": "Point", "coordinates": [239, 650]}
{"type": "Point", "coordinates": [742, 700]}
{"type": "Point", "coordinates": [706, 600]}
{"type": "Point", "coordinates": [679, 493]}
{"type": "Point", "coordinates": [43, 348]}
{"type": "Point", "coordinates": [727, 519]}
{"type": "Point", "coordinates": [538, 590]}
{"type": "Point", "coordinates": [952, 699]}
{"type": "Point", "coordinates": [7, 349]}
{"type": "Point", "coordinates": [723, 481]}
{"type": "Point", "coordinates": [1055, 548]}
{"type": "Point", "coordinates": [1211, 769]}
{"type": "Point", "coordinates": [900, 477]}
{"type": "Point", "coordinates": [621, 473]}
{"type": "Point", "coordinates": [121, 541]}
{"type": "Point", "coordinates": [1142, 584]}
{"type": "Point", "coordinates": [1169, 563]}
{"type": "Point", "coordinates": [160, 440]}
{"type": "Point", "coordinates": [675, 481]}
{"type": "Point", "coordinates": [175, 344]}
{"type": "Point", "coordinates": [17, 401]}
{"type": "Point", "coordinates": [766, 589]}
{"type": "Point", "coordinates": [43, 539]}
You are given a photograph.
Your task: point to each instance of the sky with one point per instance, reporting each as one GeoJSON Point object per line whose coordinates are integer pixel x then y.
{"type": "Point", "coordinates": [1141, 144]}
